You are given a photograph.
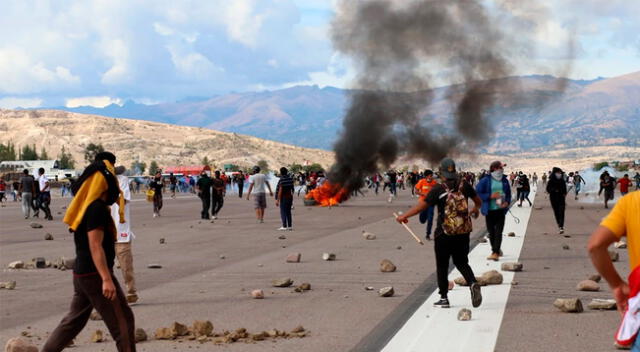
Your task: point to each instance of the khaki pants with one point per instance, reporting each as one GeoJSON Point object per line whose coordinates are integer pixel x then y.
{"type": "Point", "coordinates": [125, 258]}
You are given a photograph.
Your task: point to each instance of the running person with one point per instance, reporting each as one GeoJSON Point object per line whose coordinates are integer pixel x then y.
{"type": "Point", "coordinates": [624, 182]}
{"type": "Point", "coordinates": [495, 193]}
{"type": "Point", "coordinates": [557, 189]}
{"type": "Point", "coordinates": [422, 188]}
{"type": "Point", "coordinates": [608, 185]}
{"type": "Point", "coordinates": [157, 185]}
{"type": "Point", "coordinates": [173, 182]}
{"type": "Point", "coordinates": [577, 183]}
{"type": "Point", "coordinates": [44, 196]}
{"type": "Point", "coordinates": [218, 191]}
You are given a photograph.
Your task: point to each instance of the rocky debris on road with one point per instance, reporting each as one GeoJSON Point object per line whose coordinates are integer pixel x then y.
{"type": "Point", "coordinates": [565, 247]}
{"type": "Point", "coordinates": [35, 225]}
{"type": "Point", "coordinates": [294, 257]}
{"type": "Point", "coordinates": [161, 240]}
{"type": "Point", "coordinates": [399, 247]}
{"type": "Point", "coordinates": [165, 334]}
{"type": "Point", "coordinates": [17, 344]}
{"type": "Point", "coordinates": [511, 234]}
{"type": "Point", "coordinates": [305, 286]}
{"type": "Point", "coordinates": [39, 262]}
{"type": "Point", "coordinates": [140, 335]}
{"type": "Point", "coordinates": [202, 331]}
{"type": "Point", "coordinates": [386, 291]}
{"type": "Point", "coordinates": [620, 245]}
{"type": "Point", "coordinates": [48, 237]}
{"type": "Point", "coordinates": [283, 282]}
{"type": "Point", "coordinates": [9, 285]}
{"type": "Point", "coordinates": [202, 328]}
{"type": "Point", "coordinates": [460, 281]}
{"type": "Point", "coordinates": [95, 316]}
{"type": "Point", "coordinates": [511, 266]}
{"type": "Point", "coordinates": [222, 256]}
{"type": "Point", "coordinates": [368, 235]}
{"type": "Point", "coordinates": [614, 255]}
{"type": "Point", "coordinates": [369, 288]}
{"type": "Point", "coordinates": [63, 263]}
{"type": "Point", "coordinates": [595, 277]}
{"type": "Point", "coordinates": [602, 304]}
{"type": "Point", "coordinates": [282, 237]}
{"type": "Point", "coordinates": [569, 305]}
{"type": "Point", "coordinates": [588, 285]}
{"type": "Point", "coordinates": [257, 294]}
{"type": "Point", "coordinates": [491, 277]}
{"type": "Point", "coordinates": [179, 329]}
{"type": "Point", "coordinates": [154, 266]}
{"type": "Point", "coordinates": [98, 336]}
{"type": "Point", "coordinates": [386, 266]}
{"type": "Point", "coordinates": [18, 264]}
{"type": "Point", "coordinates": [328, 256]}
{"type": "Point", "coordinates": [464, 314]}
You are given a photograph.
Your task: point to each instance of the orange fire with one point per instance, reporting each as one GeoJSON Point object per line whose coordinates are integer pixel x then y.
{"type": "Point", "coordinates": [328, 194]}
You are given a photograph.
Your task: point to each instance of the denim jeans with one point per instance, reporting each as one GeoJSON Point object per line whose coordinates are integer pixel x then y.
{"type": "Point", "coordinates": [285, 212]}
{"type": "Point", "coordinates": [427, 216]}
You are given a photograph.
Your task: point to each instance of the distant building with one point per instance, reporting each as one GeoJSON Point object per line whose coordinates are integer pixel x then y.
{"type": "Point", "coordinates": [186, 170]}
{"type": "Point", "coordinates": [51, 168]}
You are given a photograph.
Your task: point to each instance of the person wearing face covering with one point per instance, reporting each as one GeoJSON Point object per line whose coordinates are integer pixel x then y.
{"type": "Point", "coordinates": [157, 185]}
{"type": "Point", "coordinates": [95, 287]}
{"type": "Point", "coordinates": [495, 193]}
{"type": "Point", "coordinates": [557, 189]}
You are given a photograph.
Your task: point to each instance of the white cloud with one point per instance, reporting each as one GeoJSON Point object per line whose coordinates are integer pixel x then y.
{"type": "Point", "coordinates": [13, 102]}
{"type": "Point", "coordinates": [243, 25]}
{"type": "Point", "coordinates": [98, 102]}
{"type": "Point", "coordinates": [19, 74]}
{"type": "Point", "coordinates": [118, 51]}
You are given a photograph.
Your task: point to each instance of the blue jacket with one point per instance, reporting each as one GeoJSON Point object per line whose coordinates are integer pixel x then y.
{"type": "Point", "coordinates": [484, 192]}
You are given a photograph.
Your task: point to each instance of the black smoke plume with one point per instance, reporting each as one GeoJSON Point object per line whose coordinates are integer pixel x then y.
{"type": "Point", "coordinates": [396, 46]}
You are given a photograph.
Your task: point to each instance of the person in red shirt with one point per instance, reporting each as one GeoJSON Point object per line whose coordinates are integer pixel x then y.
{"type": "Point", "coordinates": [423, 187]}
{"type": "Point", "coordinates": [624, 184]}
{"type": "Point", "coordinates": [3, 189]}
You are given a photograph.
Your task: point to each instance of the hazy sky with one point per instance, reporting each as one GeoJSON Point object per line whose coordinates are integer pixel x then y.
{"type": "Point", "coordinates": [94, 52]}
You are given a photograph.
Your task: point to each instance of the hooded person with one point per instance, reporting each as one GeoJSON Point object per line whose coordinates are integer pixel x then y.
{"type": "Point", "coordinates": [495, 193]}
{"type": "Point", "coordinates": [453, 229]}
{"type": "Point", "coordinates": [95, 287]}
{"type": "Point", "coordinates": [557, 189]}
{"type": "Point", "coordinates": [124, 234]}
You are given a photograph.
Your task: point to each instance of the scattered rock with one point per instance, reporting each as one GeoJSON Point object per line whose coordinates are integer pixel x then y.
{"type": "Point", "coordinates": [161, 240]}
{"type": "Point", "coordinates": [68, 263]}
{"type": "Point", "coordinates": [35, 225]}
{"type": "Point", "coordinates": [154, 266]}
{"type": "Point", "coordinates": [165, 334]}
{"type": "Point", "coordinates": [284, 282]}
{"type": "Point", "coordinates": [294, 258]}
{"type": "Point", "coordinates": [464, 314]}
{"type": "Point", "coordinates": [17, 344]}
{"type": "Point", "coordinates": [386, 266]}
{"type": "Point", "coordinates": [9, 285]}
{"type": "Point", "coordinates": [18, 264]}
{"type": "Point", "coordinates": [620, 245]}
{"type": "Point", "coordinates": [257, 294]}
{"type": "Point", "coordinates": [567, 236]}
{"type": "Point", "coordinates": [602, 304]}
{"type": "Point", "coordinates": [39, 262]}
{"type": "Point", "coordinates": [141, 335]}
{"type": "Point", "coordinates": [514, 283]}
{"type": "Point", "coordinates": [305, 286]}
{"type": "Point", "coordinates": [282, 237]}
{"type": "Point", "coordinates": [595, 277]}
{"type": "Point", "coordinates": [202, 328]}
{"type": "Point", "coordinates": [511, 234]}
{"type": "Point", "coordinates": [565, 247]}
{"type": "Point", "coordinates": [614, 256]}
{"type": "Point", "coordinates": [492, 277]}
{"type": "Point", "coordinates": [368, 288]}
{"type": "Point", "coordinates": [298, 329]}
{"type": "Point", "coordinates": [460, 281]}
{"type": "Point", "coordinates": [581, 207]}
{"type": "Point", "coordinates": [511, 266]}
{"type": "Point", "coordinates": [97, 336]}
{"type": "Point", "coordinates": [386, 291]}
{"type": "Point", "coordinates": [48, 237]}
{"type": "Point", "coordinates": [368, 235]}
{"type": "Point", "coordinates": [328, 256]}
{"type": "Point", "coordinates": [222, 256]}
{"type": "Point", "coordinates": [588, 285]}
{"type": "Point", "coordinates": [569, 305]}
{"type": "Point", "coordinates": [399, 247]}
{"type": "Point", "coordinates": [179, 329]}
{"type": "Point", "coordinates": [95, 316]}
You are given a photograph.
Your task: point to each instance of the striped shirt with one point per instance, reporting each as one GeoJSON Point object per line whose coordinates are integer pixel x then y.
{"type": "Point", "coordinates": [286, 183]}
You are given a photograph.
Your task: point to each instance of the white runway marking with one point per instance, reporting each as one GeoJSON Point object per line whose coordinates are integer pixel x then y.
{"type": "Point", "coordinates": [438, 329]}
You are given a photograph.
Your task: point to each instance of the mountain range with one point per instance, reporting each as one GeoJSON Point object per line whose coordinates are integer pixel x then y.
{"type": "Point", "coordinates": [601, 112]}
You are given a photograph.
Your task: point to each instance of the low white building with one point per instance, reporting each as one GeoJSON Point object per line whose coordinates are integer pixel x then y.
{"type": "Point", "coordinates": [51, 168]}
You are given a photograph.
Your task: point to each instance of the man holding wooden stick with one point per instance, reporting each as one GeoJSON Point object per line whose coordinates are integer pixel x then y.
{"type": "Point", "coordinates": [453, 229]}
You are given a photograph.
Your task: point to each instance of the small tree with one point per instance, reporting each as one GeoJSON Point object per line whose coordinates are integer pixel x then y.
{"type": "Point", "coordinates": [29, 153]}
{"type": "Point", "coordinates": [153, 167]}
{"type": "Point", "coordinates": [599, 166]}
{"type": "Point", "coordinates": [138, 168]}
{"type": "Point", "coordinates": [206, 162]}
{"type": "Point", "coordinates": [91, 151]}
{"type": "Point", "coordinates": [315, 167]}
{"type": "Point", "coordinates": [295, 168]}
{"type": "Point", "coordinates": [7, 152]}
{"type": "Point", "coordinates": [43, 154]}
{"type": "Point", "coordinates": [66, 160]}
{"type": "Point", "coordinates": [264, 166]}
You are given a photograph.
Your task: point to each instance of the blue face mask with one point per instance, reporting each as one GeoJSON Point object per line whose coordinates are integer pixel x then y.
{"type": "Point", "coordinates": [497, 174]}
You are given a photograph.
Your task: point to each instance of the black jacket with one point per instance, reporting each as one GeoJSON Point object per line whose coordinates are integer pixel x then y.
{"type": "Point", "coordinates": [556, 186]}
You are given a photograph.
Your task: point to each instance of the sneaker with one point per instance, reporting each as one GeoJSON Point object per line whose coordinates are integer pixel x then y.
{"type": "Point", "coordinates": [132, 298]}
{"type": "Point", "coordinates": [500, 254]}
{"type": "Point", "coordinates": [476, 295]}
{"type": "Point", "coordinates": [289, 228]}
{"type": "Point", "coordinates": [282, 228]}
{"type": "Point", "coordinates": [155, 215]}
{"type": "Point", "coordinates": [442, 303]}
{"type": "Point", "coordinates": [428, 237]}
{"type": "Point", "coordinates": [561, 231]}
{"type": "Point", "coordinates": [261, 221]}
{"type": "Point", "coordinates": [494, 257]}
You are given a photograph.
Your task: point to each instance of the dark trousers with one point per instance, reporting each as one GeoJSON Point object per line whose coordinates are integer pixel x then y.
{"type": "Point", "coordinates": [426, 216]}
{"type": "Point", "coordinates": [44, 201]}
{"type": "Point", "coordinates": [285, 212]}
{"type": "Point", "coordinates": [206, 203]}
{"type": "Point", "coordinates": [217, 201]}
{"type": "Point", "coordinates": [393, 188]}
{"type": "Point", "coordinates": [495, 226]}
{"type": "Point", "coordinates": [456, 247]}
{"type": "Point", "coordinates": [157, 202]}
{"type": "Point", "coordinates": [240, 189]}
{"type": "Point", "coordinates": [558, 204]}
{"type": "Point", "coordinates": [87, 296]}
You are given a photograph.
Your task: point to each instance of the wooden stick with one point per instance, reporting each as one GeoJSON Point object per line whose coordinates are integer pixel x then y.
{"type": "Point", "coordinates": [410, 231]}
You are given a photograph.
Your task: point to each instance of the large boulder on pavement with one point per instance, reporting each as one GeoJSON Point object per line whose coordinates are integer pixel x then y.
{"type": "Point", "coordinates": [588, 285]}
{"type": "Point", "coordinates": [17, 344]}
{"type": "Point", "coordinates": [386, 266]}
{"type": "Point", "coordinates": [511, 266]}
{"type": "Point", "coordinates": [202, 328]}
{"type": "Point", "coordinates": [569, 305]}
{"type": "Point", "coordinates": [602, 304]}
{"type": "Point", "coordinates": [284, 282]}
{"type": "Point", "coordinates": [492, 277]}
{"type": "Point", "coordinates": [464, 314]}
{"type": "Point", "coordinates": [386, 291]}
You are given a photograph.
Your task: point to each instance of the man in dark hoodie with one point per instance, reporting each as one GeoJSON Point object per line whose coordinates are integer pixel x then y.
{"type": "Point", "coordinates": [495, 192]}
{"type": "Point", "coordinates": [557, 189]}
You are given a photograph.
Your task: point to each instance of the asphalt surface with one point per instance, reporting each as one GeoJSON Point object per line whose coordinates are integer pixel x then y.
{"type": "Point", "coordinates": [196, 283]}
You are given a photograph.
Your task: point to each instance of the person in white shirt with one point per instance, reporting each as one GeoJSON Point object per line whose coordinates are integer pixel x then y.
{"type": "Point", "coordinates": [257, 184]}
{"type": "Point", "coordinates": [45, 194]}
{"type": "Point", "coordinates": [125, 236]}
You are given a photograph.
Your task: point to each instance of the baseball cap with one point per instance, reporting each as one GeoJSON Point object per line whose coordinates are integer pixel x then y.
{"type": "Point", "coordinates": [448, 169]}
